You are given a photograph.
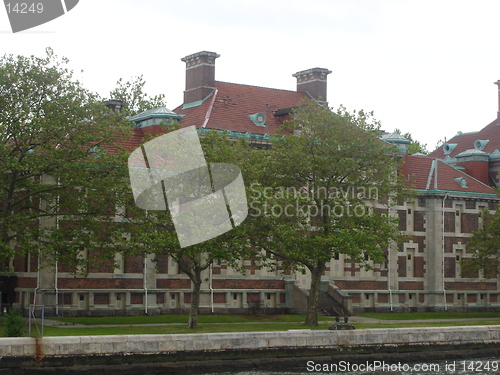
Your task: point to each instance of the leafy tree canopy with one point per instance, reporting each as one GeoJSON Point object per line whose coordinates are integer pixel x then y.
{"type": "Point", "coordinates": [62, 170]}
{"type": "Point", "coordinates": [415, 146]}
{"type": "Point", "coordinates": [133, 94]}
{"type": "Point", "coordinates": [485, 246]}
{"type": "Point", "coordinates": [325, 192]}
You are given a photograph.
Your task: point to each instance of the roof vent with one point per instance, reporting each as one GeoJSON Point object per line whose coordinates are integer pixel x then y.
{"type": "Point", "coordinates": [462, 181]}
{"type": "Point", "coordinates": [448, 148]}
{"type": "Point", "coordinates": [480, 144]}
{"type": "Point", "coordinates": [258, 119]}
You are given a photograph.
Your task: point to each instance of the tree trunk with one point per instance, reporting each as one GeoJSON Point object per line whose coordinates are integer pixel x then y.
{"type": "Point", "coordinates": [312, 301]}
{"type": "Point", "coordinates": [195, 299]}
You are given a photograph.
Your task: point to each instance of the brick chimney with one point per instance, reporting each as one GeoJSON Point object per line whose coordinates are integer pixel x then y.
{"type": "Point", "coordinates": [200, 75]}
{"type": "Point", "coordinates": [498, 111]}
{"type": "Point", "coordinates": [116, 105]}
{"type": "Point", "coordinates": [313, 81]}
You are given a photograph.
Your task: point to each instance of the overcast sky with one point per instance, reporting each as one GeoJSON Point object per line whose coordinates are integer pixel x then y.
{"type": "Point", "coordinates": [425, 67]}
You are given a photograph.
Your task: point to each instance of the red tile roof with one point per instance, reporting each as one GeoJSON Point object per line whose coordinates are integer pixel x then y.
{"type": "Point", "coordinates": [235, 102]}
{"type": "Point", "coordinates": [418, 171]}
{"type": "Point", "coordinates": [466, 141]}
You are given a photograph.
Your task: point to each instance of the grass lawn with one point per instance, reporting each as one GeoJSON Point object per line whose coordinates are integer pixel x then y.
{"type": "Point", "coordinates": [430, 315]}
{"type": "Point", "coordinates": [407, 324]}
{"type": "Point", "coordinates": [176, 324]}
{"type": "Point", "coordinates": [183, 319]}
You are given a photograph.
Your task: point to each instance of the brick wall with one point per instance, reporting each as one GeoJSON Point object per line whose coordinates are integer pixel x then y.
{"type": "Point", "coordinates": [104, 267]}
{"type": "Point", "coordinates": [350, 268]}
{"type": "Point", "coordinates": [65, 298]}
{"type": "Point", "coordinates": [134, 264]}
{"type": "Point", "coordinates": [471, 285]}
{"type": "Point", "coordinates": [33, 263]}
{"type": "Point", "coordinates": [419, 221]}
{"type": "Point", "coordinates": [21, 263]}
{"type": "Point", "coordinates": [220, 298]}
{"type": "Point", "coordinates": [253, 297]}
{"type": "Point", "coordinates": [470, 205]}
{"type": "Point", "coordinates": [101, 299]}
{"type": "Point", "coordinates": [450, 241]}
{"type": "Point", "coordinates": [160, 298]}
{"type": "Point", "coordinates": [383, 298]}
{"type": "Point", "coordinates": [99, 283]}
{"type": "Point", "coordinates": [248, 284]}
{"type": "Point", "coordinates": [411, 285]}
{"type": "Point", "coordinates": [418, 267]}
{"type": "Point", "coordinates": [449, 267]}
{"type": "Point", "coordinates": [402, 266]}
{"type": "Point", "coordinates": [470, 223]}
{"type": "Point", "coordinates": [361, 284]}
{"type": "Point", "coordinates": [26, 282]}
{"type": "Point", "coordinates": [449, 222]}
{"type": "Point", "coordinates": [356, 297]}
{"type": "Point", "coordinates": [162, 263]}
{"type": "Point", "coordinates": [136, 298]}
{"type": "Point", "coordinates": [402, 219]}
{"type": "Point", "coordinates": [173, 284]}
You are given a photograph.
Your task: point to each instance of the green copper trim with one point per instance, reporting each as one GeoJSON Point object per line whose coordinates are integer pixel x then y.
{"type": "Point", "coordinates": [247, 135]}
{"type": "Point", "coordinates": [197, 103]}
{"type": "Point", "coordinates": [464, 193]}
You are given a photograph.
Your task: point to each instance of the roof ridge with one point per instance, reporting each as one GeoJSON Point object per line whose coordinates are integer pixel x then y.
{"type": "Point", "coordinates": [260, 87]}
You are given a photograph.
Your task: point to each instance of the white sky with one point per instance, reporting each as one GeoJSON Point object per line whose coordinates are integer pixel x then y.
{"type": "Point", "coordinates": [425, 67]}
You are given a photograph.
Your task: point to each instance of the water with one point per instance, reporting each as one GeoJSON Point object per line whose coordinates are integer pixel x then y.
{"type": "Point", "coordinates": [483, 366]}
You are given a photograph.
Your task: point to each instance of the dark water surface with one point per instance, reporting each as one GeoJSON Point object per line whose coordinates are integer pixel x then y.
{"type": "Point", "coordinates": [483, 366]}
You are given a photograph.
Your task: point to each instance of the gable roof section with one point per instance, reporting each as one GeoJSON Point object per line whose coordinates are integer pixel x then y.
{"type": "Point", "coordinates": [427, 174]}
{"type": "Point", "coordinates": [465, 141]}
{"type": "Point", "coordinates": [235, 103]}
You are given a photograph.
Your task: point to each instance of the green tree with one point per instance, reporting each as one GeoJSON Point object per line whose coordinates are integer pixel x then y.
{"type": "Point", "coordinates": [153, 232]}
{"type": "Point", "coordinates": [133, 94]}
{"type": "Point", "coordinates": [414, 146]}
{"type": "Point", "coordinates": [62, 169]}
{"type": "Point", "coordinates": [323, 194]}
{"type": "Point", "coordinates": [485, 247]}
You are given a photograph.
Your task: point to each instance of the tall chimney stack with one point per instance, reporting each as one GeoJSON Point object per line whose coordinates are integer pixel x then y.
{"type": "Point", "coordinates": [200, 75]}
{"type": "Point", "coordinates": [498, 111]}
{"type": "Point", "coordinates": [313, 81]}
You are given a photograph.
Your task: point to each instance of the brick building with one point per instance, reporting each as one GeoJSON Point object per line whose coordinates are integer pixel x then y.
{"type": "Point", "coordinates": [454, 183]}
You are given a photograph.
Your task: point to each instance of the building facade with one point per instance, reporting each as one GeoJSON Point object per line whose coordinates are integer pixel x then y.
{"type": "Point", "coordinates": [453, 184]}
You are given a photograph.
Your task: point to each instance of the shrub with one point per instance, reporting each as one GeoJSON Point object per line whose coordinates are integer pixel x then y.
{"type": "Point", "coordinates": [14, 323]}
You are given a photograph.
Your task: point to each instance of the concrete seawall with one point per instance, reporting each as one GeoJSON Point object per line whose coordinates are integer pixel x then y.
{"type": "Point", "coordinates": [177, 353]}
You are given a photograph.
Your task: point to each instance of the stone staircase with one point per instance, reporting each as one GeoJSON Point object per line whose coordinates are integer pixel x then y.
{"type": "Point", "coordinates": [328, 306]}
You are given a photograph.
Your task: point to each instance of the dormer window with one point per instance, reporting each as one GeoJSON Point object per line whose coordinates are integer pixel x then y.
{"type": "Point", "coordinates": [448, 148]}
{"type": "Point", "coordinates": [480, 144]}
{"type": "Point", "coordinates": [462, 181]}
{"type": "Point", "coordinates": [258, 119]}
